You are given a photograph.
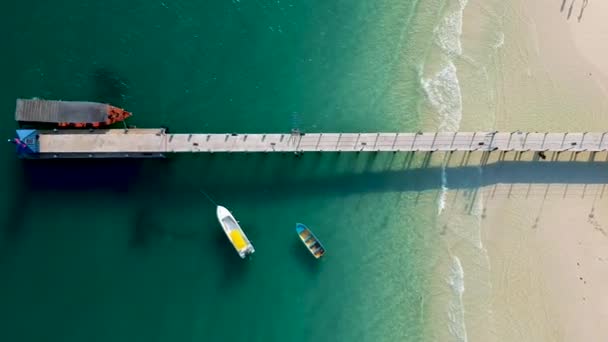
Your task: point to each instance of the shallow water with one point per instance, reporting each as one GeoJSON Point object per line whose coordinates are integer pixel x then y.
{"type": "Point", "coordinates": [113, 251]}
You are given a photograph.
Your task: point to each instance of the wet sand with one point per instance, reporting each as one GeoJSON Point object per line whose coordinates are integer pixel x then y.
{"type": "Point", "coordinates": [531, 237]}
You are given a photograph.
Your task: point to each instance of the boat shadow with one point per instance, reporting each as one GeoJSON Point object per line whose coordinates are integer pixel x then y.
{"type": "Point", "coordinates": [145, 229]}
{"type": "Point", "coordinates": [304, 258]}
{"type": "Point", "coordinates": [233, 267]}
{"type": "Point", "coordinates": [109, 86]}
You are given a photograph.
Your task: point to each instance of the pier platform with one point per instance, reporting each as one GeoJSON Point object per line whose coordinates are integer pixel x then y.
{"type": "Point", "coordinates": [126, 143]}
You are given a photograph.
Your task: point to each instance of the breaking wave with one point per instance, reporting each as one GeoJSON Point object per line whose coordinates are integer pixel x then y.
{"type": "Point", "coordinates": [449, 31]}
{"type": "Point", "coordinates": [457, 325]}
{"type": "Point", "coordinates": [445, 96]}
{"type": "Point", "coordinates": [443, 89]}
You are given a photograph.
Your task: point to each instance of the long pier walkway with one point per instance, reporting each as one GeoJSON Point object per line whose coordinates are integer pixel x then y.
{"type": "Point", "coordinates": [122, 142]}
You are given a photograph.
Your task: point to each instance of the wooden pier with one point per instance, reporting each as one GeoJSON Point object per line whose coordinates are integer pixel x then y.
{"type": "Point", "coordinates": [156, 142]}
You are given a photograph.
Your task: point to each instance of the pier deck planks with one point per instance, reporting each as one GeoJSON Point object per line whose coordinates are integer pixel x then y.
{"type": "Point", "coordinates": [157, 141]}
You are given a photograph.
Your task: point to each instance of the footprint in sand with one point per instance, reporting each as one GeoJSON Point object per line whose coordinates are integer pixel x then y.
{"type": "Point", "coordinates": [596, 225]}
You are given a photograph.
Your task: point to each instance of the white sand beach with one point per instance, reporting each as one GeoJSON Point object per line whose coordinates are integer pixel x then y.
{"type": "Point", "coordinates": [549, 261]}
{"type": "Point", "coordinates": [532, 248]}
{"type": "Point", "coordinates": [549, 252]}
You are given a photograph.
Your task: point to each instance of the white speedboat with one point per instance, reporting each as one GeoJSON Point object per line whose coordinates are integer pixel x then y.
{"type": "Point", "coordinates": [234, 232]}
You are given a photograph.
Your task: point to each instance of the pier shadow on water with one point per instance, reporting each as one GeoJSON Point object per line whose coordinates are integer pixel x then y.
{"type": "Point", "coordinates": [13, 226]}
{"type": "Point", "coordinates": [147, 227]}
{"type": "Point", "coordinates": [429, 178]}
{"type": "Point", "coordinates": [84, 175]}
{"type": "Point", "coordinates": [74, 176]}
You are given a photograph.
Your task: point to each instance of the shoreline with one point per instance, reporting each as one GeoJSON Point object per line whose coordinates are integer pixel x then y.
{"type": "Point", "coordinates": [532, 248]}
{"type": "Point", "coordinates": [548, 264]}
{"type": "Point", "coordinates": [520, 258]}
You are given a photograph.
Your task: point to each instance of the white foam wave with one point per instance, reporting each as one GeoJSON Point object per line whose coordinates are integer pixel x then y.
{"type": "Point", "coordinates": [500, 41]}
{"type": "Point", "coordinates": [443, 89]}
{"type": "Point", "coordinates": [444, 190]}
{"type": "Point", "coordinates": [449, 31]}
{"type": "Point", "coordinates": [444, 94]}
{"type": "Point", "coordinates": [456, 308]}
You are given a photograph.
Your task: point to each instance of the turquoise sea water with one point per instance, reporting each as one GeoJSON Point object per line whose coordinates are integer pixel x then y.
{"type": "Point", "coordinates": [130, 251]}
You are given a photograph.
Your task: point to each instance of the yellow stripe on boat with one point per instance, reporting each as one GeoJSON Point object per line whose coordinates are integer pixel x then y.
{"type": "Point", "coordinates": [237, 240]}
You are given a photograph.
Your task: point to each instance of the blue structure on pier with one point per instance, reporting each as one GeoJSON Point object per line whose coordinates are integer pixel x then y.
{"type": "Point", "coordinates": [26, 143]}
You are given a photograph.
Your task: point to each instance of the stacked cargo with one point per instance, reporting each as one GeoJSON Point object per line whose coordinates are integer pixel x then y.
{"type": "Point", "coordinates": [76, 114]}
